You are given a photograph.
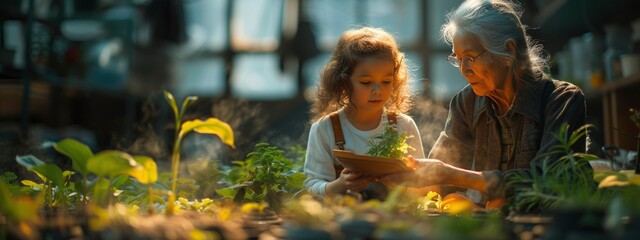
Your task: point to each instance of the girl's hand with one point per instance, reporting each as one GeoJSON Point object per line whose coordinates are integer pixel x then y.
{"type": "Point", "coordinates": [348, 180]}
{"type": "Point", "coordinates": [354, 181]}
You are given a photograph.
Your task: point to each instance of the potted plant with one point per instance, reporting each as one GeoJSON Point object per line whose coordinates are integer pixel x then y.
{"type": "Point", "coordinates": [563, 189]}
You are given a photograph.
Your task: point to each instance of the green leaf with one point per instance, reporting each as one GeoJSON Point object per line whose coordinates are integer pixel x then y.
{"type": "Point", "coordinates": [172, 102]}
{"type": "Point", "coordinates": [52, 172]}
{"type": "Point", "coordinates": [120, 180]}
{"type": "Point", "coordinates": [226, 192]}
{"type": "Point", "coordinates": [186, 103]}
{"type": "Point", "coordinates": [101, 190]}
{"type": "Point", "coordinates": [8, 177]}
{"type": "Point", "coordinates": [29, 161]}
{"type": "Point", "coordinates": [210, 126]}
{"type": "Point", "coordinates": [18, 209]}
{"type": "Point", "coordinates": [78, 152]}
{"type": "Point", "coordinates": [147, 170]}
{"type": "Point", "coordinates": [32, 184]}
{"type": "Point", "coordinates": [111, 163]}
{"type": "Point", "coordinates": [296, 180]}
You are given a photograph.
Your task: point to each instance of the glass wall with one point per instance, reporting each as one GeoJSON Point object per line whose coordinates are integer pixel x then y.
{"type": "Point", "coordinates": [259, 49]}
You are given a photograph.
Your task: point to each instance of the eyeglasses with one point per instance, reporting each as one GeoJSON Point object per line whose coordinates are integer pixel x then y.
{"type": "Point", "coordinates": [456, 62]}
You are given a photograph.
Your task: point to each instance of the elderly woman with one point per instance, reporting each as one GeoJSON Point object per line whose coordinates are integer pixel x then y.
{"type": "Point", "coordinates": [506, 115]}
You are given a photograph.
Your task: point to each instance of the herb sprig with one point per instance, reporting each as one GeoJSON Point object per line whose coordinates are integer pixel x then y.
{"type": "Point", "coordinates": [391, 143]}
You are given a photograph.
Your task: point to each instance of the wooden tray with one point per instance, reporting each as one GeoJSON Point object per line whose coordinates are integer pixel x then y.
{"type": "Point", "coordinates": [370, 165]}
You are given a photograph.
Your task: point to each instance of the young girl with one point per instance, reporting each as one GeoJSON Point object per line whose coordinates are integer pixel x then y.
{"type": "Point", "coordinates": [362, 88]}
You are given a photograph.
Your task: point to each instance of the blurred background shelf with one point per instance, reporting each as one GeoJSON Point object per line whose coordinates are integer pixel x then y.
{"type": "Point", "coordinates": [558, 20]}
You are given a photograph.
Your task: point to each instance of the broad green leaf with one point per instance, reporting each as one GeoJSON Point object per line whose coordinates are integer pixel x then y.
{"type": "Point", "coordinates": [52, 172]}
{"type": "Point", "coordinates": [29, 161]}
{"type": "Point", "coordinates": [172, 102]}
{"type": "Point", "coordinates": [111, 163]}
{"type": "Point", "coordinates": [101, 190]}
{"type": "Point", "coordinates": [78, 152]}
{"type": "Point", "coordinates": [147, 170]}
{"type": "Point", "coordinates": [121, 180]}
{"type": "Point", "coordinates": [210, 126]}
{"type": "Point", "coordinates": [226, 192]}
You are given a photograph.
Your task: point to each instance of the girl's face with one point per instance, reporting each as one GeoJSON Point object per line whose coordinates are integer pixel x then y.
{"type": "Point", "coordinates": [481, 68]}
{"type": "Point", "coordinates": [372, 80]}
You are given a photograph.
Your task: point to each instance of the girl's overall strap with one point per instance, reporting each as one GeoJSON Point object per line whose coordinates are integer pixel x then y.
{"type": "Point", "coordinates": [337, 130]}
{"type": "Point", "coordinates": [339, 138]}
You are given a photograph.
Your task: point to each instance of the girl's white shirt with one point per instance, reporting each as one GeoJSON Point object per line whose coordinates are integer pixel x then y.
{"type": "Point", "coordinates": [319, 159]}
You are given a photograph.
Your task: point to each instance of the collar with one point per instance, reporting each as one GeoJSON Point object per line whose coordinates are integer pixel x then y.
{"type": "Point", "coordinates": [525, 102]}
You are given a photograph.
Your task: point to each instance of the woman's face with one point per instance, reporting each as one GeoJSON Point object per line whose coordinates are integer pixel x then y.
{"type": "Point", "coordinates": [372, 80]}
{"type": "Point", "coordinates": [485, 72]}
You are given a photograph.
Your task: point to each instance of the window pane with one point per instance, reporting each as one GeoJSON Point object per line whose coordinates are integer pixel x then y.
{"type": "Point", "coordinates": [445, 80]}
{"type": "Point", "coordinates": [401, 18]}
{"type": "Point", "coordinates": [436, 11]}
{"type": "Point", "coordinates": [258, 76]}
{"type": "Point", "coordinates": [256, 23]}
{"type": "Point", "coordinates": [330, 19]}
{"type": "Point", "coordinates": [206, 24]}
{"type": "Point", "coordinates": [201, 77]}
{"type": "Point", "coordinates": [312, 69]}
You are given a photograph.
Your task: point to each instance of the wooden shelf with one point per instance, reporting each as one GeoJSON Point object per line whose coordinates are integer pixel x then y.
{"type": "Point", "coordinates": [617, 98]}
{"type": "Point", "coordinates": [562, 19]}
{"type": "Point", "coordinates": [631, 81]}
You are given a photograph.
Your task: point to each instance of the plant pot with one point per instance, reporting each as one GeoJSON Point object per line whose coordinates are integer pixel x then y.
{"type": "Point", "coordinates": [358, 229]}
{"type": "Point", "coordinates": [577, 224]}
{"type": "Point", "coordinates": [295, 232]}
{"type": "Point", "coordinates": [527, 225]}
{"type": "Point", "coordinates": [256, 222]}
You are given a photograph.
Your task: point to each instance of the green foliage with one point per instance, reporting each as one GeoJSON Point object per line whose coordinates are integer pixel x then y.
{"type": "Point", "coordinates": [78, 152]}
{"type": "Point", "coordinates": [391, 143]}
{"type": "Point", "coordinates": [17, 208]}
{"type": "Point", "coordinates": [211, 126]}
{"type": "Point", "coordinates": [55, 184]}
{"type": "Point", "coordinates": [114, 166]}
{"type": "Point", "coordinates": [564, 179]}
{"type": "Point", "coordinates": [264, 176]}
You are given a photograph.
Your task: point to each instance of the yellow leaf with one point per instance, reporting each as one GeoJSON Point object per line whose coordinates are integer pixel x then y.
{"type": "Point", "coordinates": [146, 172]}
{"type": "Point", "coordinates": [457, 203]}
{"type": "Point", "coordinates": [210, 126]}
{"type": "Point", "coordinates": [612, 181]}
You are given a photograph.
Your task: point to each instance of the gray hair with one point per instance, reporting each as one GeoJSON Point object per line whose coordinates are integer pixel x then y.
{"type": "Point", "coordinates": [495, 22]}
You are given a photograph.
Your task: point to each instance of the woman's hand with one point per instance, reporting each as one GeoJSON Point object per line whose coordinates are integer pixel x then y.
{"type": "Point", "coordinates": [426, 172]}
{"type": "Point", "coordinates": [348, 180]}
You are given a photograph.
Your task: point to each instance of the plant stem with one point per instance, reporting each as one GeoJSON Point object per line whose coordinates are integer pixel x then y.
{"type": "Point", "coordinates": [175, 162]}
{"type": "Point", "coordinates": [638, 156]}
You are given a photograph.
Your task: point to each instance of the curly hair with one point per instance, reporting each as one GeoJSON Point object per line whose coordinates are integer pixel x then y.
{"type": "Point", "coordinates": [354, 45]}
{"type": "Point", "coordinates": [495, 22]}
